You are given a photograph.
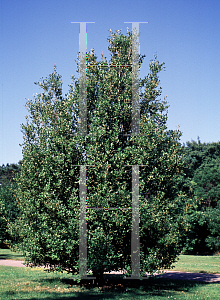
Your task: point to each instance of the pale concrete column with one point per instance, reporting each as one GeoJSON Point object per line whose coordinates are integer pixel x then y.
{"type": "Point", "coordinates": [135, 128]}
{"type": "Point", "coordinates": [82, 224]}
{"type": "Point", "coordinates": [82, 78]}
{"type": "Point", "coordinates": [82, 131]}
{"type": "Point", "coordinates": [135, 240]}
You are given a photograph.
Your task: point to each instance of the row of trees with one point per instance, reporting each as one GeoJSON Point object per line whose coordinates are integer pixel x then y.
{"type": "Point", "coordinates": [203, 161]}
{"type": "Point", "coordinates": [46, 192]}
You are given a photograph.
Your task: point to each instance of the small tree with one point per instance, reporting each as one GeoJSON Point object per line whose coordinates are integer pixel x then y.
{"type": "Point", "coordinates": [48, 226]}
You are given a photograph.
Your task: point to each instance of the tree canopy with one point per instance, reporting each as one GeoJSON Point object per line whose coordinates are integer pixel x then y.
{"type": "Point", "coordinates": [203, 160]}
{"type": "Point", "coordinates": [47, 229]}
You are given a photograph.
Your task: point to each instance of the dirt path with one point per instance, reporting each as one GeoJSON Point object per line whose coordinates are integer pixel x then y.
{"type": "Point", "coordinates": [204, 277]}
{"type": "Point", "coordinates": [11, 263]}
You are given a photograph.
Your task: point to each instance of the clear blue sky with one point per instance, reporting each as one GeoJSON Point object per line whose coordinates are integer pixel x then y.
{"type": "Point", "coordinates": [35, 34]}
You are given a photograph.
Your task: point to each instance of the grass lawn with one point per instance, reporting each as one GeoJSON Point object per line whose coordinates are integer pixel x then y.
{"type": "Point", "coordinates": [26, 283]}
{"type": "Point", "coordinates": [198, 264]}
{"type": "Point", "coordinates": [8, 254]}
{"type": "Point", "coordinates": [186, 263]}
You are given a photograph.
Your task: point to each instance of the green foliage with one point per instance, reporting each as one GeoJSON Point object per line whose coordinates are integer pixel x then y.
{"type": "Point", "coordinates": [204, 171]}
{"type": "Point", "coordinates": [8, 172]}
{"type": "Point", "coordinates": [198, 153]}
{"type": "Point", "coordinates": [48, 185]}
{"type": "Point", "coordinates": [207, 177]}
{"type": "Point", "coordinates": [213, 220]}
{"type": "Point", "coordinates": [8, 204]}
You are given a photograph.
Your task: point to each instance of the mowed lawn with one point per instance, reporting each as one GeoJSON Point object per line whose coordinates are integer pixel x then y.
{"type": "Point", "coordinates": [27, 283]}
{"type": "Point", "coordinates": [8, 254]}
{"type": "Point", "coordinates": [198, 264]}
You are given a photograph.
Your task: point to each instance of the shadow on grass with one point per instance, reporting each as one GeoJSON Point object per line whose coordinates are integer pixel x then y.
{"type": "Point", "coordinates": [10, 256]}
{"type": "Point", "coordinates": [202, 276]}
{"type": "Point", "coordinates": [114, 286]}
{"type": "Point", "coordinates": [6, 253]}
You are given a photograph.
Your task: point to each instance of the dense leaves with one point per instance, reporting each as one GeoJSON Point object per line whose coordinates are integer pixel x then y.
{"type": "Point", "coordinates": [9, 207]}
{"type": "Point", "coordinates": [47, 229]}
{"type": "Point", "coordinates": [213, 220]}
{"type": "Point", "coordinates": [204, 171]}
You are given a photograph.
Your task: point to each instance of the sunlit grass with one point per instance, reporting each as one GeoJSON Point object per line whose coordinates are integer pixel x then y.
{"type": "Point", "coordinates": [26, 283]}
{"type": "Point", "coordinates": [198, 264]}
{"type": "Point", "coordinates": [32, 282]}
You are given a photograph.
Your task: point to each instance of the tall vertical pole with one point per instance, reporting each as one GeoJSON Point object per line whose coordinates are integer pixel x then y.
{"type": "Point", "coordinates": [135, 240]}
{"type": "Point", "coordinates": [82, 128]}
{"type": "Point", "coordinates": [82, 224]}
{"type": "Point", "coordinates": [135, 127]}
{"type": "Point", "coordinates": [82, 80]}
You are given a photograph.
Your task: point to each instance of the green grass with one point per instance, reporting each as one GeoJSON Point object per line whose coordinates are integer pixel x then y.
{"type": "Point", "coordinates": [186, 263]}
{"type": "Point", "coordinates": [8, 254]}
{"type": "Point", "coordinates": [198, 264]}
{"type": "Point", "coordinates": [26, 283]}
